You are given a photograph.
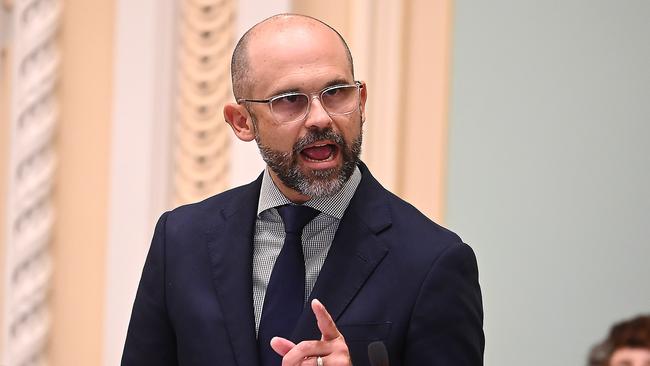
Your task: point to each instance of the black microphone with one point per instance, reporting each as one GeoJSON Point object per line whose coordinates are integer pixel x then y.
{"type": "Point", "coordinates": [378, 354]}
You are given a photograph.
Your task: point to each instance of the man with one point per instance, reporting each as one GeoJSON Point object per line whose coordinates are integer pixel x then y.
{"type": "Point", "coordinates": [223, 285]}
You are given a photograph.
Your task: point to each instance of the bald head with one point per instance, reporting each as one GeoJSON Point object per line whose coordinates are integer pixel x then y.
{"type": "Point", "coordinates": [241, 64]}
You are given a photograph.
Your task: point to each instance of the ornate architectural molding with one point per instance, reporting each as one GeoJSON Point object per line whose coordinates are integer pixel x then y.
{"type": "Point", "coordinates": [34, 65]}
{"type": "Point", "coordinates": [201, 139]}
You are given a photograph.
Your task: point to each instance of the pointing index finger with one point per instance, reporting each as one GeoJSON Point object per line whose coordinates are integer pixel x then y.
{"type": "Point", "coordinates": [326, 325]}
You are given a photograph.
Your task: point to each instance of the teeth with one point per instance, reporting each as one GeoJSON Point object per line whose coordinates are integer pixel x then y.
{"type": "Point", "coordinates": [331, 157]}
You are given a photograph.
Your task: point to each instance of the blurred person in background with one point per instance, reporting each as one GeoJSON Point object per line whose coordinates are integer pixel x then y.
{"type": "Point", "coordinates": [628, 344]}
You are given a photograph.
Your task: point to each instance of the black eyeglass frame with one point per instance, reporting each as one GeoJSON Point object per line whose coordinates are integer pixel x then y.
{"type": "Point", "coordinates": [310, 97]}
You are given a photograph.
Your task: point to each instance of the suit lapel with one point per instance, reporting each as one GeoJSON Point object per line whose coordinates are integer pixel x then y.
{"type": "Point", "coordinates": [355, 252]}
{"type": "Point", "coordinates": [230, 245]}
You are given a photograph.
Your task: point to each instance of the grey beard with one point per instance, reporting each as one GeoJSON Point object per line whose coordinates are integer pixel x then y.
{"type": "Point", "coordinates": [319, 183]}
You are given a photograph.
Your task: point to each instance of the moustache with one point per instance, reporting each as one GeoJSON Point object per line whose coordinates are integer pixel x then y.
{"type": "Point", "coordinates": [317, 135]}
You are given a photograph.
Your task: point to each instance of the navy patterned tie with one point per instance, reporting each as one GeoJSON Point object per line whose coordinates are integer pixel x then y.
{"type": "Point", "coordinates": [285, 294]}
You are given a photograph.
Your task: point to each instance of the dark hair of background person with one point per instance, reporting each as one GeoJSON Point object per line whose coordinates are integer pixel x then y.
{"type": "Point", "coordinates": [632, 333]}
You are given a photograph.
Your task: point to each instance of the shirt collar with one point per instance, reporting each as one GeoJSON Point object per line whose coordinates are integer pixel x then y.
{"type": "Point", "coordinates": [334, 205]}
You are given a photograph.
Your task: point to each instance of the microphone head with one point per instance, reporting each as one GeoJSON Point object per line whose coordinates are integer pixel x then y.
{"type": "Point", "coordinates": [378, 354]}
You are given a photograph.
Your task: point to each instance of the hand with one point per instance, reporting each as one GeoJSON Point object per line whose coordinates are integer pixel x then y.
{"type": "Point", "coordinates": [331, 347]}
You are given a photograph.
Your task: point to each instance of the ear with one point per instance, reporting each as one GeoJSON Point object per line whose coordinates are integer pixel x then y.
{"type": "Point", "coordinates": [240, 121]}
{"type": "Point", "coordinates": [362, 101]}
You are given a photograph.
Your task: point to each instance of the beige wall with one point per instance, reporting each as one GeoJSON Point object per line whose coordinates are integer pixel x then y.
{"type": "Point", "coordinates": [4, 158]}
{"type": "Point", "coordinates": [82, 182]}
{"type": "Point", "coordinates": [423, 154]}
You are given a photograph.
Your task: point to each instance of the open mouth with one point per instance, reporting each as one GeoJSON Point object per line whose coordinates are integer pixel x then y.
{"type": "Point", "coordinates": [321, 152]}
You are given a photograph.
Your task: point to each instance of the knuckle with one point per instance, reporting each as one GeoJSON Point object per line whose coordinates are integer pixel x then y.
{"type": "Point", "coordinates": [305, 347]}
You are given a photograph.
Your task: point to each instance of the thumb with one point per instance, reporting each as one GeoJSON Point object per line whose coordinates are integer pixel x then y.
{"type": "Point", "coordinates": [281, 345]}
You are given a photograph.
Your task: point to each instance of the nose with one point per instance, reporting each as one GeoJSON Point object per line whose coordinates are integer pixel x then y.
{"type": "Point", "coordinates": [317, 116]}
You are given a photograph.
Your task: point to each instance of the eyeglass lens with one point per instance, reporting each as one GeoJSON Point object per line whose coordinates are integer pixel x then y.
{"type": "Point", "coordinates": [336, 100]}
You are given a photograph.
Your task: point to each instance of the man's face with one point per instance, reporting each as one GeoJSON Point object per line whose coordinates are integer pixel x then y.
{"type": "Point", "coordinates": [630, 357]}
{"type": "Point", "coordinates": [287, 165]}
{"type": "Point", "coordinates": [313, 157]}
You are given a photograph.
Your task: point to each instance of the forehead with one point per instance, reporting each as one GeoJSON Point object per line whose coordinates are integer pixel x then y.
{"type": "Point", "coordinates": [296, 55]}
{"type": "Point", "coordinates": [631, 356]}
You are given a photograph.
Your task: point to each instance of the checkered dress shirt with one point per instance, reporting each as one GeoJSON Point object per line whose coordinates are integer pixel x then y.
{"type": "Point", "coordinates": [317, 236]}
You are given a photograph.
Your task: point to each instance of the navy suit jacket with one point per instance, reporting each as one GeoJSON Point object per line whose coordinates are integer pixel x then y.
{"type": "Point", "coordinates": [391, 275]}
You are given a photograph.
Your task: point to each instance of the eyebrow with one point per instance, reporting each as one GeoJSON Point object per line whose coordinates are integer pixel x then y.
{"type": "Point", "coordinates": [337, 82]}
{"type": "Point", "coordinates": [333, 82]}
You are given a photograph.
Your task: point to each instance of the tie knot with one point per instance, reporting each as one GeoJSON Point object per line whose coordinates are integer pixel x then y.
{"type": "Point", "coordinates": [295, 217]}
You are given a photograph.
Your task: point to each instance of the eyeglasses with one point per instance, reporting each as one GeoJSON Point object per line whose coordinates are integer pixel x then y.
{"type": "Point", "coordinates": [294, 107]}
